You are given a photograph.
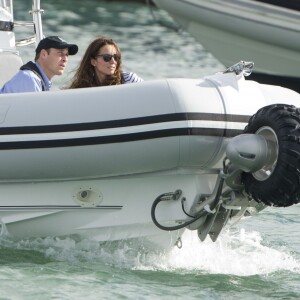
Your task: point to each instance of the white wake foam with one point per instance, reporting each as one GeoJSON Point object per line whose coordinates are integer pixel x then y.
{"type": "Point", "coordinates": [239, 253]}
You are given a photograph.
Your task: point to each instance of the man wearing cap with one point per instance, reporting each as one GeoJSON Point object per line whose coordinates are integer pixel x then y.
{"type": "Point", "coordinates": [51, 59]}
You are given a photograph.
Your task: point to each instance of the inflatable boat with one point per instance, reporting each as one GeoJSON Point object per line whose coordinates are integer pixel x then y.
{"type": "Point", "coordinates": [146, 160]}
{"type": "Point", "coordinates": [265, 31]}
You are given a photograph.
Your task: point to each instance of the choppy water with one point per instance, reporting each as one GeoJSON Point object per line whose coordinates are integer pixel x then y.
{"type": "Point", "coordinates": [259, 258]}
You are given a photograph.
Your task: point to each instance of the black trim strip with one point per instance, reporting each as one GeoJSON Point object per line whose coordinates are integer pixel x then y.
{"type": "Point", "coordinates": [6, 26]}
{"type": "Point", "coordinates": [120, 138]}
{"type": "Point", "coordinates": [295, 5]}
{"type": "Point", "coordinates": [124, 123]}
{"type": "Point", "coordinates": [285, 81]}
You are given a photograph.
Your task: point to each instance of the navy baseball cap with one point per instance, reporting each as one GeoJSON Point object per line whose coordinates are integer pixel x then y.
{"type": "Point", "coordinates": [57, 43]}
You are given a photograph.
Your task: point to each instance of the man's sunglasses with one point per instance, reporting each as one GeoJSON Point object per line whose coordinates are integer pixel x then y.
{"type": "Point", "coordinates": [108, 57]}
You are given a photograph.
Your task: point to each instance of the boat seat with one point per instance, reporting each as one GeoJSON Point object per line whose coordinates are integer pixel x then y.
{"type": "Point", "coordinates": [11, 63]}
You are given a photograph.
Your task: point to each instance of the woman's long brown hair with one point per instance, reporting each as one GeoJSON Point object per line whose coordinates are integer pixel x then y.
{"type": "Point", "coordinates": [85, 75]}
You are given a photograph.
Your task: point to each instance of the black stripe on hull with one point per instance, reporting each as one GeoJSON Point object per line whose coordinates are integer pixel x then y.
{"type": "Point", "coordinates": [124, 123]}
{"type": "Point", "coordinates": [132, 137]}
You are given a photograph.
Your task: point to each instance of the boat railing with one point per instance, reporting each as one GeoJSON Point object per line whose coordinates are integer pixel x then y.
{"type": "Point", "coordinates": [37, 19]}
{"type": "Point", "coordinates": [9, 24]}
{"type": "Point", "coordinates": [28, 40]}
{"type": "Point", "coordinates": [36, 24]}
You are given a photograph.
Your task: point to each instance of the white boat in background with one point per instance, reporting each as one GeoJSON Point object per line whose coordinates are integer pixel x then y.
{"type": "Point", "coordinates": [146, 160]}
{"type": "Point", "coordinates": [266, 32]}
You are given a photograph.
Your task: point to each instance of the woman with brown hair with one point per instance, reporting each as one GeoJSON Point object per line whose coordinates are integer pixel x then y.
{"type": "Point", "coordinates": [101, 65]}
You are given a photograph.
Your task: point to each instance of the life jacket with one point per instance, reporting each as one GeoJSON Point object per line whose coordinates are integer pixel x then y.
{"type": "Point", "coordinates": [32, 67]}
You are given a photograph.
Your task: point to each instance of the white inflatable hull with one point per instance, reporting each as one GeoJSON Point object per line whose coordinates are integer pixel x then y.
{"type": "Point", "coordinates": [92, 161]}
{"type": "Point", "coordinates": [144, 160]}
{"type": "Point", "coordinates": [132, 129]}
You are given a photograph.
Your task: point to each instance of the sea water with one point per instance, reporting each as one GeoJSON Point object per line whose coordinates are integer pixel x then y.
{"type": "Point", "coordinates": [257, 258]}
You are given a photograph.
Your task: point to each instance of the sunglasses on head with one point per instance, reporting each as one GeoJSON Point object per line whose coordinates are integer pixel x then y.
{"type": "Point", "coordinates": [108, 57]}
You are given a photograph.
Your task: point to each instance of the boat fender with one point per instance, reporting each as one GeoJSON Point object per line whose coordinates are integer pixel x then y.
{"type": "Point", "coordinates": [277, 183]}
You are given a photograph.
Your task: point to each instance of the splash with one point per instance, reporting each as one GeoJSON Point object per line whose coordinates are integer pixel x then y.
{"type": "Point", "coordinates": [238, 253]}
